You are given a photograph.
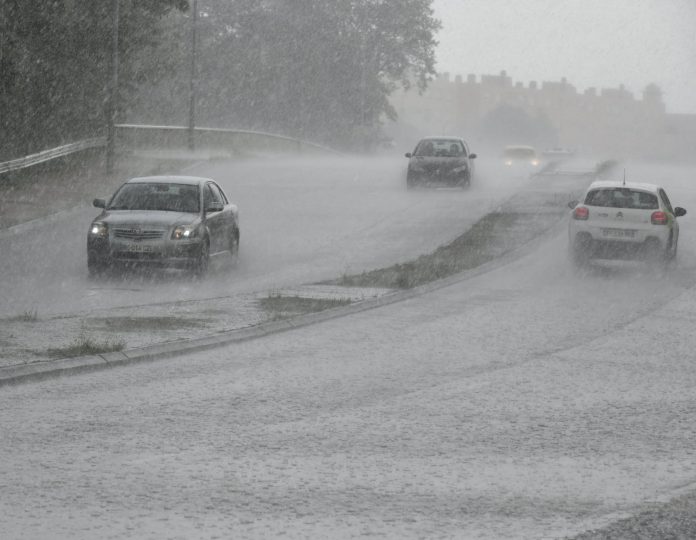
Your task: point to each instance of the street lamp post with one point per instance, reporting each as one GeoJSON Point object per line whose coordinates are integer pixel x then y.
{"type": "Point", "coordinates": [192, 86]}
{"type": "Point", "coordinates": [112, 105]}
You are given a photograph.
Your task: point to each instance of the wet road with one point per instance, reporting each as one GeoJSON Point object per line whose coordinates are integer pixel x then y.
{"type": "Point", "coordinates": [301, 221]}
{"type": "Point", "coordinates": [528, 402]}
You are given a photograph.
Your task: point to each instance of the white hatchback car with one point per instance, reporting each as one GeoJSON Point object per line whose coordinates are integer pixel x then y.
{"type": "Point", "coordinates": [623, 220]}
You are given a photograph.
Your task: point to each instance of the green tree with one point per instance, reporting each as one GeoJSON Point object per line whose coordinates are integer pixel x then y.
{"type": "Point", "coordinates": [55, 64]}
{"type": "Point", "coordinates": [317, 69]}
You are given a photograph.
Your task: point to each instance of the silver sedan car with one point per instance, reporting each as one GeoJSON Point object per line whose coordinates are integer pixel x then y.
{"type": "Point", "coordinates": [163, 221]}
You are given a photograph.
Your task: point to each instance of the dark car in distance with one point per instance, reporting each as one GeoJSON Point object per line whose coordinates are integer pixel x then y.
{"type": "Point", "coordinates": [163, 221]}
{"type": "Point", "coordinates": [440, 161]}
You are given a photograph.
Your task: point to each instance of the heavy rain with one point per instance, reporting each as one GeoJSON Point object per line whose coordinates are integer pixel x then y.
{"type": "Point", "coordinates": [347, 268]}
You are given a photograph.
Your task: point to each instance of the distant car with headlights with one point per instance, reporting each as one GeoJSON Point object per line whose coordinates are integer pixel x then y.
{"type": "Point", "coordinates": [622, 220]}
{"type": "Point", "coordinates": [163, 221]}
{"type": "Point", "coordinates": [521, 156]}
{"type": "Point", "coordinates": [440, 161]}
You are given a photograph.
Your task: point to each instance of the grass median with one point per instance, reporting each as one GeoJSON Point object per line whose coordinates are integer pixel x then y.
{"type": "Point", "coordinates": [282, 307]}
{"type": "Point", "coordinates": [494, 235]}
{"type": "Point", "coordinates": [86, 345]}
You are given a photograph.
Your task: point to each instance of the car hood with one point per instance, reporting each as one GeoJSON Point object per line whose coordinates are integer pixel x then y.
{"type": "Point", "coordinates": [146, 218]}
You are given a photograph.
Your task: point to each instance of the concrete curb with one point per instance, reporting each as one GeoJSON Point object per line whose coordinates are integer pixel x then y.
{"type": "Point", "coordinates": [41, 370]}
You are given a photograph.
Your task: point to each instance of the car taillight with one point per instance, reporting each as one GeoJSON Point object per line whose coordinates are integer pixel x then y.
{"type": "Point", "coordinates": [581, 212]}
{"type": "Point", "coordinates": [658, 218]}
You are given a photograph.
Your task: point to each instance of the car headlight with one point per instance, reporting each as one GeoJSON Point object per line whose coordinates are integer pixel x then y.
{"type": "Point", "coordinates": [460, 170]}
{"type": "Point", "coordinates": [185, 232]}
{"type": "Point", "coordinates": [99, 229]}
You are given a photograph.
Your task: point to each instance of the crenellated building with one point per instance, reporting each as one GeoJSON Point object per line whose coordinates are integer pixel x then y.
{"type": "Point", "coordinates": [606, 121]}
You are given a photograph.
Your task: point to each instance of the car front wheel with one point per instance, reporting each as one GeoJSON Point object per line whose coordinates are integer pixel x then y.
{"type": "Point", "coordinates": [95, 267]}
{"type": "Point", "coordinates": [234, 246]}
{"type": "Point", "coordinates": [200, 265]}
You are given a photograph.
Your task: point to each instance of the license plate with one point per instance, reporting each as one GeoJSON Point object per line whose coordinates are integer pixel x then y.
{"type": "Point", "coordinates": [139, 248]}
{"type": "Point", "coordinates": [618, 233]}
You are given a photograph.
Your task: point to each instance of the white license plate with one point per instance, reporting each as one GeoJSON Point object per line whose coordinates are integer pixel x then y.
{"type": "Point", "coordinates": [618, 233]}
{"type": "Point", "coordinates": [139, 248]}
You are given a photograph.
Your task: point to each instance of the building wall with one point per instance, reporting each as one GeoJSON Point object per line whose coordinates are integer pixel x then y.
{"type": "Point", "coordinates": [609, 121]}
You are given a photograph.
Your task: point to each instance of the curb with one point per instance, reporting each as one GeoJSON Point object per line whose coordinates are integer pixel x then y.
{"type": "Point", "coordinates": [21, 373]}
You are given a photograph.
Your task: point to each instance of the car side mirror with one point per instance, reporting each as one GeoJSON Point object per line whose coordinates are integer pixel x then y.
{"type": "Point", "coordinates": [572, 204]}
{"type": "Point", "coordinates": [99, 203]}
{"type": "Point", "coordinates": [214, 206]}
{"type": "Point", "coordinates": [472, 156]}
{"type": "Point", "coordinates": [408, 154]}
{"type": "Point", "coordinates": [679, 211]}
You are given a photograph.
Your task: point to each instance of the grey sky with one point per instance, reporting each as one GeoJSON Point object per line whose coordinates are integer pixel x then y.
{"type": "Point", "coordinates": [600, 43]}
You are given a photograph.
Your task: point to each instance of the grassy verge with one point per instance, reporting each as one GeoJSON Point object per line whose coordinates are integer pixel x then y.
{"type": "Point", "coordinates": [143, 324]}
{"type": "Point", "coordinates": [27, 316]}
{"type": "Point", "coordinates": [280, 307]}
{"type": "Point", "coordinates": [85, 345]}
{"type": "Point", "coordinates": [492, 236]}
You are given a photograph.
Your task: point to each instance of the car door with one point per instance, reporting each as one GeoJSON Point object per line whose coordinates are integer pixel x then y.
{"type": "Point", "coordinates": [469, 160]}
{"type": "Point", "coordinates": [672, 218]}
{"type": "Point", "coordinates": [215, 220]}
{"type": "Point", "coordinates": [229, 213]}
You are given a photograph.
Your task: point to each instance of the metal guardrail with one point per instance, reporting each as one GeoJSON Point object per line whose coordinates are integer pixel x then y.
{"type": "Point", "coordinates": [54, 153]}
{"type": "Point", "coordinates": [98, 142]}
{"type": "Point", "coordinates": [299, 143]}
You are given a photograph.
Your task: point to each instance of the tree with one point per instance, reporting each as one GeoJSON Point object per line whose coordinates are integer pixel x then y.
{"type": "Point", "coordinates": [55, 61]}
{"type": "Point", "coordinates": [316, 69]}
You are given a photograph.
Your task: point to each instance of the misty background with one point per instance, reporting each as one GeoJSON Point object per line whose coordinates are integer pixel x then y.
{"type": "Point", "coordinates": [314, 69]}
{"type": "Point", "coordinates": [358, 75]}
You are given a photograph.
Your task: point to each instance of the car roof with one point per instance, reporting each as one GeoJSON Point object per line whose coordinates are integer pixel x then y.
{"type": "Point", "coordinates": [639, 186]}
{"type": "Point", "coordinates": [519, 147]}
{"type": "Point", "coordinates": [168, 180]}
{"type": "Point", "coordinates": [442, 138]}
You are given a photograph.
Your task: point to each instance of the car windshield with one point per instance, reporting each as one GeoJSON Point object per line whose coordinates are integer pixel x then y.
{"type": "Point", "coordinates": [520, 153]}
{"type": "Point", "coordinates": [157, 196]}
{"type": "Point", "coordinates": [622, 198]}
{"type": "Point", "coordinates": [440, 148]}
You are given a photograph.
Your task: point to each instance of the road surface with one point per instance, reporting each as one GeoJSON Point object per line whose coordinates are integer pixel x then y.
{"type": "Point", "coordinates": [527, 402]}
{"type": "Point", "coordinates": [302, 220]}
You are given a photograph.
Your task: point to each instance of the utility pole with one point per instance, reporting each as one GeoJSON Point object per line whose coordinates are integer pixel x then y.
{"type": "Point", "coordinates": [363, 75]}
{"type": "Point", "coordinates": [192, 87]}
{"type": "Point", "coordinates": [112, 105]}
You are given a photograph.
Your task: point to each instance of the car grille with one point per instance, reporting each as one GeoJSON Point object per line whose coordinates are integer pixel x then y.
{"type": "Point", "coordinates": [138, 234]}
{"type": "Point", "coordinates": [439, 171]}
{"type": "Point", "coordinates": [128, 256]}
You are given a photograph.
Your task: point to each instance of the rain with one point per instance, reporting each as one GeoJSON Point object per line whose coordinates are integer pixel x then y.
{"type": "Point", "coordinates": [338, 268]}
